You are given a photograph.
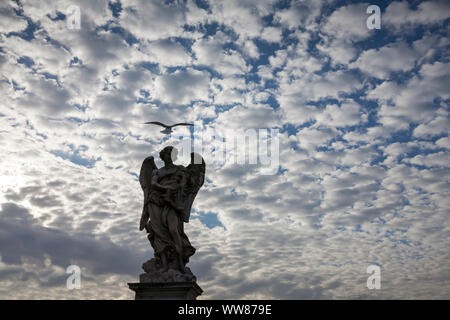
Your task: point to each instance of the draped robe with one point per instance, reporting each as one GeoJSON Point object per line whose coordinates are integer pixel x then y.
{"type": "Point", "coordinates": [162, 204]}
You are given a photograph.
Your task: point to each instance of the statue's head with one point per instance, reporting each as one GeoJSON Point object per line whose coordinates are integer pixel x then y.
{"type": "Point", "coordinates": [168, 154]}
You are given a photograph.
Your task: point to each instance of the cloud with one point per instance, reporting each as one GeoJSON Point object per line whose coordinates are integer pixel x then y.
{"type": "Point", "coordinates": [153, 20]}
{"type": "Point", "coordinates": [382, 62]}
{"type": "Point", "coordinates": [399, 14]}
{"type": "Point", "coordinates": [271, 34]}
{"type": "Point", "coordinates": [210, 52]}
{"type": "Point", "coordinates": [182, 87]}
{"type": "Point", "coordinates": [439, 125]}
{"type": "Point", "coordinates": [299, 14]}
{"type": "Point", "coordinates": [439, 159]}
{"type": "Point", "coordinates": [412, 101]}
{"type": "Point", "coordinates": [168, 52]}
{"type": "Point", "coordinates": [348, 22]}
{"type": "Point", "coordinates": [10, 22]}
{"type": "Point", "coordinates": [242, 17]}
{"type": "Point", "coordinates": [444, 142]}
{"type": "Point", "coordinates": [346, 115]}
{"type": "Point", "coordinates": [294, 95]}
{"type": "Point", "coordinates": [35, 242]}
{"type": "Point", "coordinates": [43, 95]}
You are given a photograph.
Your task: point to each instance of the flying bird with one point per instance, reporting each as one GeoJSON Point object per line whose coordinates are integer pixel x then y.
{"type": "Point", "coordinates": [168, 129]}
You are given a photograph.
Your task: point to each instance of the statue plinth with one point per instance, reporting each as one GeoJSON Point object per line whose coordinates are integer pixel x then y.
{"type": "Point", "coordinates": [188, 290]}
{"type": "Point", "coordinates": [158, 284]}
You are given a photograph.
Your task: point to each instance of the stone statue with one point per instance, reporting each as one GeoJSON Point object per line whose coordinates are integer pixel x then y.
{"type": "Point", "coordinates": [168, 196]}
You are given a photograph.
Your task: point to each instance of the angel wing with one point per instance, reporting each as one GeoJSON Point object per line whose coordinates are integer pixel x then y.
{"type": "Point", "coordinates": [145, 179]}
{"type": "Point", "coordinates": [195, 179]}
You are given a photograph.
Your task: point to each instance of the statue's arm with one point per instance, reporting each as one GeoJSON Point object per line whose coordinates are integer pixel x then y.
{"type": "Point", "coordinates": [155, 183]}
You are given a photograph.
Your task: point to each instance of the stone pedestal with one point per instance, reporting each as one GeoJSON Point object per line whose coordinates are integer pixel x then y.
{"type": "Point", "coordinates": [189, 290]}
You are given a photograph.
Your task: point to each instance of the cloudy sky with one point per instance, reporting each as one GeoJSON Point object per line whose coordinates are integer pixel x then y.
{"type": "Point", "coordinates": [363, 120]}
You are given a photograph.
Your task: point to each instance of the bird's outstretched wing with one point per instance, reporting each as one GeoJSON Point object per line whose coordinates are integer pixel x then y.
{"type": "Point", "coordinates": [182, 124]}
{"type": "Point", "coordinates": [145, 179]}
{"type": "Point", "coordinates": [195, 178]}
{"type": "Point", "coordinates": [157, 122]}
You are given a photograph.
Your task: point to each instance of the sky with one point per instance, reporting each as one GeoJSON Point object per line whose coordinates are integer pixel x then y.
{"type": "Point", "coordinates": [363, 122]}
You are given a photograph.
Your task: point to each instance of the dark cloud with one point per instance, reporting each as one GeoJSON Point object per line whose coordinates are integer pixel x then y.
{"type": "Point", "coordinates": [45, 201]}
{"type": "Point", "coordinates": [22, 237]}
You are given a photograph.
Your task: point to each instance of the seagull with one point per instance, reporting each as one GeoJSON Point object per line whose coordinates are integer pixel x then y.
{"type": "Point", "coordinates": [168, 129]}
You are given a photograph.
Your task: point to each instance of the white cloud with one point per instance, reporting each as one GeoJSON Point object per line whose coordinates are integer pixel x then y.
{"type": "Point", "coordinates": [153, 20]}
{"type": "Point", "coordinates": [348, 114]}
{"type": "Point", "coordinates": [167, 52]}
{"type": "Point", "coordinates": [348, 23]}
{"type": "Point", "coordinates": [444, 142]}
{"type": "Point", "coordinates": [271, 34]}
{"type": "Point", "coordinates": [435, 159]}
{"type": "Point", "coordinates": [414, 100]}
{"type": "Point", "coordinates": [382, 62]}
{"type": "Point", "coordinates": [439, 125]}
{"type": "Point", "coordinates": [300, 14]}
{"type": "Point", "coordinates": [239, 117]}
{"type": "Point", "coordinates": [399, 15]}
{"type": "Point", "coordinates": [181, 87]}
{"type": "Point", "coordinates": [294, 95]}
{"type": "Point", "coordinates": [242, 16]}
{"type": "Point", "coordinates": [210, 52]}
{"type": "Point", "coordinates": [251, 49]}
{"type": "Point", "coordinates": [9, 21]}
{"type": "Point", "coordinates": [341, 30]}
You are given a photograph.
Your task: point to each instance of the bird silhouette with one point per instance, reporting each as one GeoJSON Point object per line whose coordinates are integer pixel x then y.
{"type": "Point", "coordinates": [168, 129]}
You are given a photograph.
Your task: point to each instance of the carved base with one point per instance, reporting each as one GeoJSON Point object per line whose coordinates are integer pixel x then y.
{"type": "Point", "coordinates": [154, 274]}
{"type": "Point", "coordinates": [166, 290]}
{"type": "Point", "coordinates": [156, 284]}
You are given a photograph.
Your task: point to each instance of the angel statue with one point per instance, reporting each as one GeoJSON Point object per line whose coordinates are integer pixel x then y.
{"type": "Point", "coordinates": [168, 196]}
